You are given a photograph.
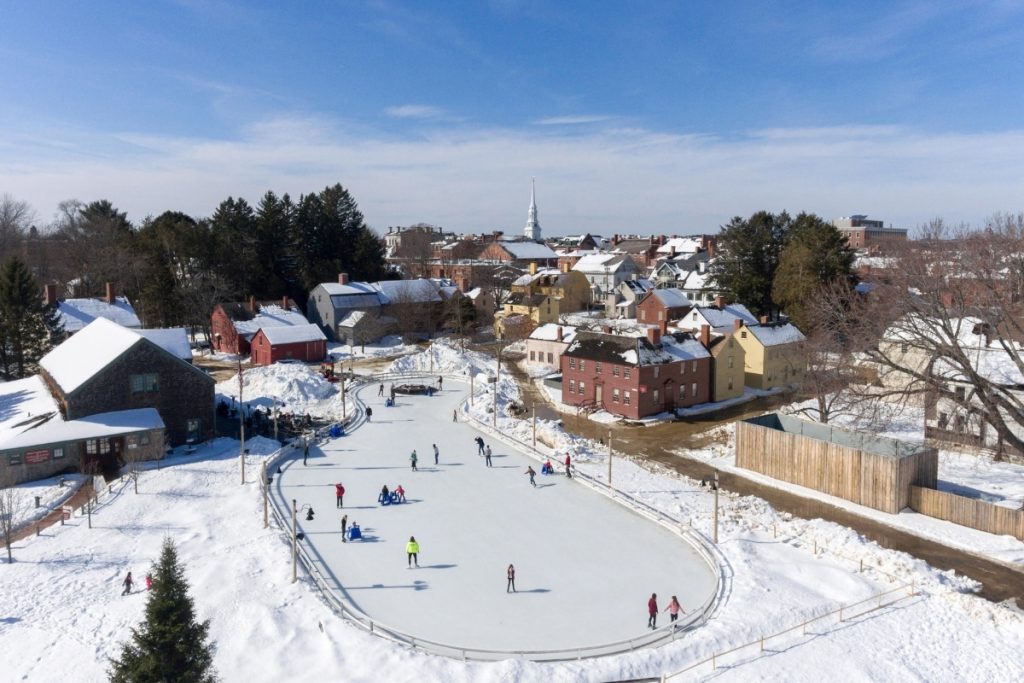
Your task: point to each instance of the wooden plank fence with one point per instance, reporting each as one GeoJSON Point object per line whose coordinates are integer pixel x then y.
{"type": "Point", "coordinates": [969, 512]}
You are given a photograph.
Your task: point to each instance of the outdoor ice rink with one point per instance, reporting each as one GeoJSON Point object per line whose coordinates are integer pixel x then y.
{"type": "Point", "coordinates": [585, 565]}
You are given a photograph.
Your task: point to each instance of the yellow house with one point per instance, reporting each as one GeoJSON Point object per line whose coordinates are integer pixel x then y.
{"type": "Point", "coordinates": [729, 367]}
{"type": "Point", "coordinates": [772, 355]}
{"type": "Point", "coordinates": [543, 296]}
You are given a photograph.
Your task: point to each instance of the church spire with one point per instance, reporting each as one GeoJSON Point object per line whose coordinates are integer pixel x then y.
{"type": "Point", "coordinates": [532, 230]}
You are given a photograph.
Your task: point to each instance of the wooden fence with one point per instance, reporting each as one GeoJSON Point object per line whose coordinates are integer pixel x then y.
{"type": "Point", "coordinates": [969, 512]}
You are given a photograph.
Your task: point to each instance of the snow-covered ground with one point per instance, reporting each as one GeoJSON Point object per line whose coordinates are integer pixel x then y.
{"type": "Point", "coordinates": [297, 389]}
{"type": "Point", "coordinates": [52, 492]}
{"type": "Point", "coordinates": [63, 616]}
{"type": "Point", "coordinates": [390, 345]}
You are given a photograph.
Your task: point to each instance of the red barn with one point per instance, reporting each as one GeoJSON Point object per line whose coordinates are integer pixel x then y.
{"type": "Point", "coordinates": [296, 342]}
{"type": "Point", "coordinates": [233, 325]}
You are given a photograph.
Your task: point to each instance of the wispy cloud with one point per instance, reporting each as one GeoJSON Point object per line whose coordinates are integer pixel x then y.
{"type": "Point", "coordinates": [414, 111]}
{"type": "Point", "coordinates": [475, 179]}
{"type": "Point", "coordinates": [572, 120]}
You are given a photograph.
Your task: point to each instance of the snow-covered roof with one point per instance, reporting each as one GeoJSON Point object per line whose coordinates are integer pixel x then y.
{"type": "Point", "coordinates": [775, 335]}
{"type": "Point", "coordinates": [81, 356]}
{"type": "Point", "coordinates": [408, 291]}
{"type": "Point", "coordinates": [77, 313]}
{"type": "Point", "coordinates": [684, 347]}
{"type": "Point", "coordinates": [682, 245]}
{"type": "Point", "coordinates": [985, 353]}
{"type": "Point", "coordinates": [718, 318]}
{"type": "Point", "coordinates": [58, 430]}
{"type": "Point", "coordinates": [596, 263]}
{"type": "Point", "coordinates": [474, 293]}
{"type": "Point", "coordinates": [526, 279]}
{"type": "Point", "coordinates": [337, 289]}
{"type": "Point", "coordinates": [173, 340]}
{"type": "Point", "coordinates": [696, 280]}
{"type": "Point", "coordinates": [269, 316]}
{"type": "Point", "coordinates": [670, 298]}
{"type": "Point", "coordinates": [529, 250]}
{"type": "Point", "coordinates": [639, 286]}
{"type": "Point", "coordinates": [549, 332]}
{"type": "Point", "coordinates": [362, 300]}
{"type": "Point", "coordinates": [351, 319]}
{"type": "Point", "coordinates": [294, 334]}
{"type": "Point", "coordinates": [24, 403]}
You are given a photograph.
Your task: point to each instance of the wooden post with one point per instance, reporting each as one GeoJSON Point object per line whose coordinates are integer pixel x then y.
{"type": "Point", "coordinates": [88, 511]}
{"type": "Point", "coordinates": [344, 410]}
{"type": "Point", "coordinates": [275, 419]}
{"type": "Point", "coordinates": [497, 378]}
{"type": "Point", "coordinates": [609, 458]}
{"type": "Point", "coordinates": [716, 507]}
{"type": "Point", "coordinates": [295, 542]}
{"type": "Point", "coordinates": [471, 386]}
{"type": "Point", "coordinates": [533, 419]}
{"type": "Point", "coordinates": [241, 422]}
{"type": "Point", "coordinates": [263, 479]}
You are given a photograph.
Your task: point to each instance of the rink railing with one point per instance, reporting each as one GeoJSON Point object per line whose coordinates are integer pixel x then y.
{"type": "Point", "coordinates": [332, 590]}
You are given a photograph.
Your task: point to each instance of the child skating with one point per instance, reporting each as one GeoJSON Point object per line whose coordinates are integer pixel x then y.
{"type": "Point", "coordinates": [413, 459]}
{"type": "Point", "coordinates": [412, 550]}
{"type": "Point", "coordinates": [530, 471]}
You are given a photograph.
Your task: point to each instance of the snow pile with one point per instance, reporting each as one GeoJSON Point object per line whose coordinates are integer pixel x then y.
{"type": "Point", "coordinates": [299, 388]}
{"type": "Point", "coordinates": [391, 345]}
{"type": "Point", "coordinates": [443, 357]}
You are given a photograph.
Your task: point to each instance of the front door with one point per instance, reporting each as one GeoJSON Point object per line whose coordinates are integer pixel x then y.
{"type": "Point", "coordinates": [670, 396]}
{"type": "Point", "coordinates": [599, 395]}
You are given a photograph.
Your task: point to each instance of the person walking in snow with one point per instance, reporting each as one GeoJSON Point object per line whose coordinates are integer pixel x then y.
{"type": "Point", "coordinates": [380, 392]}
{"type": "Point", "coordinates": [511, 584]}
{"type": "Point", "coordinates": [568, 465]}
{"type": "Point", "coordinates": [413, 459]}
{"type": "Point", "coordinates": [532, 473]}
{"type": "Point", "coordinates": [149, 582]}
{"type": "Point", "coordinates": [305, 450]}
{"type": "Point", "coordinates": [412, 551]}
{"type": "Point", "coordinates": [652, 611]}
{"type": "Point", "coordinates": [479, 445]}
{"type": "Point", "coordinates": [344, 524]}
{"type": "Point", "coordinates": [339, 495]}
{"type": "Point", "coordinates": [455, 415]}
{"type": "Point", "coordinates": [440, 380]}
{"type": "Point", "coordinates": [487, 456]}
{"type": "Point", "coordinates": [127, 583]}
{"type": "Point", "coordinates": [436, 454]}
{"type": "Point", "coordinates": [673, 609]}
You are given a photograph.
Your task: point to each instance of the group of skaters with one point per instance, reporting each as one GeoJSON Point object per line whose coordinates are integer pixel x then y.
{"type": "Point", "coordinates": [548, 468]}
{"type": "Point", "coordinates": [673, 609]}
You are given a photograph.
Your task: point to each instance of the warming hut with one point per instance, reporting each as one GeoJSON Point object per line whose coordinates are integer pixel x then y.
{"type": "Point", "coordinates": [864, 468]}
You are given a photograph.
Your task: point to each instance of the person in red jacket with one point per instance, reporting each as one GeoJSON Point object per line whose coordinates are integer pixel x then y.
{"type": "Point", "coordinates": [568, 463]}
{"type": "Point", "coordinates": [652, 611]}
{"type": "Point", "coordinates": [339, 495]}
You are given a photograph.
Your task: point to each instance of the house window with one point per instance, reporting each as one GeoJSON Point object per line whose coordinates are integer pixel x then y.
{"type": "Point", "coordinates": [682, 391]}
{"type": "Point", "coordinates": [661, 315]}
{"type": "Point", "coordinates": [58, 453]}
{"type": "Point", "coordinates": [730, 361]}
{"type": "Point", "coordinates": [582, 387]}
{"type": "Point", "coordinates": [695, 390]}
{"type": "Point", "coordinates": [643, 315]}
{"type": "Point", "coordinates": [694, 364]}
{"type": "Point", "coordinates": [625, 397]}
{"type": "Point", "coordinates": [144, 439]}
{"type": "Point", "coordinates": [904, 348]}
{"type": "Point", "coordinates": [615, 395]}
{"type": "Point", "coordinates": [572, 363]}
{"type": "Point", "coordinates": [627, 371]}
{"type": "Point", "coordinates": [14, 459]}
{"type": "Point", "coordinates": [131, 441]}
{"type": "Point", "coordinates": [615, 370]}
{"type": "Point", "coordinates": [960, 393]}
{"type": "Point", "coordinates": [743, 335]}
{"type": "Point", "coordinates": [583, 364]}
{"type": "Point", "coordinates": [730, 384]}
{"type": "Point", "coordinates": [656, 394]}
{"type": "Point", "coordinates": [943, 420]}
{"type": "Point", "coordinates": [550, 359]}
{"type": "Point", "coordinates": [657, 371]}
{"type": "Point", "coordinates": [145, 383]}
{"type": "Point", "coordinates": [597, 368]}
{"type": "Point", "coordinates": [961, 423]}
{"type": "Point", "coordinates": [572, 386]}
{"type": "Point", "coordinates": [531, 356]}
{"type": "Point", "coordinates": [104, 446]}
{"type": "Point", "coordinates": [694, 316]}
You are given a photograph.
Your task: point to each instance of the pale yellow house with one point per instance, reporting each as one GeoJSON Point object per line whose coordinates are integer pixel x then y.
{"type": "Point", "coordinates": [772, 355]}
{"type": "Point", "coordinates": [728, 367]}
{"type": "Point", "coordinates": [543, 296]}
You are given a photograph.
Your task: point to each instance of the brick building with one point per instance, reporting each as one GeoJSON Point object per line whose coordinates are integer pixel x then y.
{"type": "Point", "coordinates": [660, 306]}
{"type": "Point", "coordinates": [862, 233]}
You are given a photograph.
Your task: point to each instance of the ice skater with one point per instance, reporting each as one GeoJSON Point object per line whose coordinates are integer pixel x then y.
{"type": "Point", "coordinates": [440, 381]}
{"type": "Point", "coordinates": [479, 445]}
{"type": "Point", "coordinates": [530, 471]}
{"type": "Point", "coordinates": [344, 524]}
{"type": "Point", "coordinates": [568, 466]}
{"type": "Point", "coordinates": [511, 574]}
{"type": "Point", "coordinates": [673, 609]}
{"type": "Point", "coordinates": [384, 496]}
{"type": "Point", "coordinates": [305, 451]}
{"type": "Point", "coordinates": [339, 495]}
{"type": "Point", "coordinates": [380, 392]}
{"type": "Point", "coordinates": [487, 456]}
{"type": "Point", "coordinates": [652, 611]}
{"type": "Point", "coordinates": [400, 492]}
{"type": "Point", "coordinates": [149, 582]}
{"type": "Point", "coordinates": [412, 551]}
{"type": "Point", "coordinates": [127, 583]}
{"type": "Point", "coordinates": [436, 454]}
{"type": "Point", "coordinates": [412, 459]}
{"type": "Point", "coordinates": [455, 415]}
{"type": "Point", "coordinates": [369, 414]}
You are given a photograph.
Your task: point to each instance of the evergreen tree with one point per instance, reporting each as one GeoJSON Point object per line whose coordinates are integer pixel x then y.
{"type": "Point", "coordinates": [29, 327]}
{"type": "Point", "coordinates": [749, 251]}
{"type": "Point", "coordinates": [169, 645]}
{"type": "Point", "coordinates": [233, 227]}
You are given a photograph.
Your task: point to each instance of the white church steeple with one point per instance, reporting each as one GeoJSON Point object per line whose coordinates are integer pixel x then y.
{"type": "Point", "coordinates": [532, 230]}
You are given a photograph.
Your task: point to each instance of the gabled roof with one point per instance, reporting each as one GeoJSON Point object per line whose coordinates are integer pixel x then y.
{"type": "Point", "coordinates": [77, 313]}
{"type": "Point", "coordinates": [528, 250]}
{"type": "Point", "coordinates": [80, 357]}
{"type": "Point", "coordinates": [682, 245]}
{"type": "Point", "coordinates": [269, 316]}
{"type": "Point", "coordinates": [59, 430]}
{"type": "Point", "coordinates": [293, 334]}
{"type": "Point", "coordinates": [524, 280]}
{"type": "Point", "coordinates": [670, 298]}
{"type": "Point", "coordinates": [719, 318]}
{"type": "Point", "coordinates": [630, 350]}
{"type": "Point", "coordinates": [549, 332]}
{"type": "Point", "coordinates": [336, 289]}
{"type": "Point", "coordinates": [597, 263]}
{"type": "Point", "coordinates": [776, 334]}
{"type": "Point", "coordinates": [634, 245]}
{"type": "Point", "coordinates": [407, 291]}
{"type": "Point", "coordinates": [639, 286]}
{"type": "Point", "coordinates": [173, 340]}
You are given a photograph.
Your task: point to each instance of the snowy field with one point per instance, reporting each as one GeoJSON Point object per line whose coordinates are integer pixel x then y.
{"type": "Point", "coordinates": [52, 492]}
{"type": "Point", "coordinates": [62, 615]}
{"type": "Point", "coordinates": [585, 565]}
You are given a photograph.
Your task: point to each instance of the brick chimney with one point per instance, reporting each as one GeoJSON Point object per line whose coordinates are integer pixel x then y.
{"type": "Point", "coordinates": [705, 336]}
{"type": "Point", "coordinates": [342, 278]}
{"type": "Point", "coordinates": [672, 251]}
{"type": "Point", "coordinates": [712, 247]}
{"type": "Point", "coordinates": [533, 267]}
{"type": "Point", "coordinates": [737, 324]}
{"type": "Point", "coordinates": [763, 319]}
{"type": "Point", "coordinates": [109, 297]}
{"type": "Point", "coordinates": [719, 302]}
{"type": "Point", "coordinates": [49, 294]}
{"type": "Point", "coordinates": [558, 333]}
{"type": "Point", "coordinates": [615, 239]}
{"type": "Point", "coordinates": [284, 302]}
{"type": "Point", "coordinates": [654, 335]}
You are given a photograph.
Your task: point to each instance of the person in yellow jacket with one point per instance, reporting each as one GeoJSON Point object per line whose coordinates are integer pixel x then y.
{"type": "Point", "coordinates": [412, 549]}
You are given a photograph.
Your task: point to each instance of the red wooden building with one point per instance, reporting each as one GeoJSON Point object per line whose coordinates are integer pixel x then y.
{"type": "Point", "coordinates": [636, 376]}
{"type": "Point", "coordinates": [660, 306]}
{"type": "Point", "coordinates": [296, 342]}
{"type": "Point", "coordinates": [233, 325]}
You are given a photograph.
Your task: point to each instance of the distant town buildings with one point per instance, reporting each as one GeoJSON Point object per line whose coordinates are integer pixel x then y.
{"type": "Point", "coordinates": [862, 233]}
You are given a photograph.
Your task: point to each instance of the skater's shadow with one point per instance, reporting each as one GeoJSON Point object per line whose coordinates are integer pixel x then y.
{"type": "Point", "coordinates": [373, 468]}
{"type": "Point", "coordinates": [535, 590]}
{"type": "Point", "coordinates": [438, 566]}
{"type": "Point", "coordinates": [9, 620]}
{"type": "Point", "coordinates": [358, 507]}
{"type": "Point", "coordinates": [415, 585]}
{"type": "Point", "coordinates": [544, 486]}
{"type": "Point", "coordinates": [504, 467]}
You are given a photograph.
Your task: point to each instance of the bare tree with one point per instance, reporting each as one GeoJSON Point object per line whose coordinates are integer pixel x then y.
{"type": "Point", "coordinates": [11, 508]}
{"type": "Point", "coordinates": [16, 218]}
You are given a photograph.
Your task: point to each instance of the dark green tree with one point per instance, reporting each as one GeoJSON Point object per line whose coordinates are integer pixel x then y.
{"type": "Point", "coordinates": [29, 328]}
{"type": "Point", "coordinates": [169, 645]}
{"type": "Point", "coordinates": [748, 256]}
{"type": "Point", "coordinates": [274, 228]}
{"type": "Point", "coordinates": [816, 254]}
{"type": "Point", "coordinates": [233, 229]}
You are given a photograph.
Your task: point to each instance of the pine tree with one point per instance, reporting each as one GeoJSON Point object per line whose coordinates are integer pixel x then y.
{"type": "Point", "coordinates": [169, 645]}
{"type": "Point", "coordinates": [749, 250]}
{"type": "Point", "coordinates": [29, 327]}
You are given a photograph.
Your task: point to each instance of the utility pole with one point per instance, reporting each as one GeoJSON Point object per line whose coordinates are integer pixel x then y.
{"type": "Point", "coordinates": [295, 542]}
{"type": "Point", "coordinates": [533, 410]}
{"type": "Point", "coordinates": [275, 418]}
{"type": "Point", "coordinates": [471, 386]}
{"type": "Point", "coordinates": [344, 410]}
{"type": "Point", "coordinates": [716, 508]}
{"type": "Point", "coordinates": [241, 421]}
{"type": "Point", "coordinates": [494, 410]}
{"type": "Point", "coordinates": [609, 458]}
{"type": "Point", "coordinates": [263, 480]}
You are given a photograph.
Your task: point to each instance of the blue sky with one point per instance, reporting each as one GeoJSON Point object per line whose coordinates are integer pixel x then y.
{"type": "Point", "coordinates": [640, 116]}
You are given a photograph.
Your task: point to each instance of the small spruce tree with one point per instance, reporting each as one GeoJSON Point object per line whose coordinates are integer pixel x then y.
{"type": "Point", "coordinates": [29, 327]}
{"type": "Point", "coordinates": [170, 645]}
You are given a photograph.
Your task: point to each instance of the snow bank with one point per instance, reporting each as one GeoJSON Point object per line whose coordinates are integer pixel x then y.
{"type": "Point", "coordinates": [299, 387]}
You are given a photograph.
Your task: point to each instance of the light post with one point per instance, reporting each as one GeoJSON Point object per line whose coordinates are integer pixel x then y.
{"type": "Point", "coordinates": [295, 542]}
{"type": "Point", "coordinates": [241, 422]}
{"type": "Point", "coordinates": [716, 507]}
{"type": "Point", "coordinates": [609, 458]}
{"type": "Point", "coordinates": [533, 418]}
{"type": "Point", "coordinates": [266, 485]}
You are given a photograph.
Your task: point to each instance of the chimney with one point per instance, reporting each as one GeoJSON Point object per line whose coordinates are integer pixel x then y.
{"type": "Point", "coordinates": [109, 298]}
{"type": "Point", "coordinates": [764, 319]}
{"type": "Point", "coordinates": [737, 324]}
{"type": "Point", "coordinates": [50, 294]}
{"type": "Point", "coordinates": [284, 302]}
{"type": "Point", "coordinates": [607, 329]}
{"type": "Point", "coordinates": [719, 302]}
{"type": "Point", "coordinates": [558, 333]}
{"type": "Point", "coordinates": [342, 278]}
{"type": "Point", "coordinates": [615, 239]}
{"type": "Point", "coordinates": [533, 267]}
{"type": "Point", "coordinates": [252, 304]}
{"type": "Point", "coordinates": [565, 266]}
{"type": "Point", "coordinates": [712, 247]}
{"type": "Point", "coordinates": [654, 335]}
{"type": "Point", "coordinates": [705, 336]}
{"type": "Point", "coordinates": [672, 251]}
